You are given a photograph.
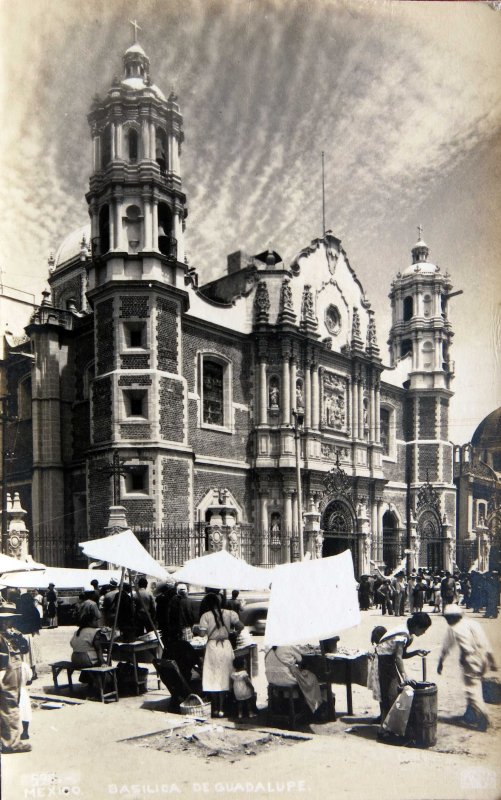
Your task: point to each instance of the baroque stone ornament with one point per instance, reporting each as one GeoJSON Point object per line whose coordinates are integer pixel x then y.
{"type": "Point", "coordinates": [337, 481]}
{"type": "Point", "coordinates": [261, 303]}
{"type": "Point", "coordinates": [356, 337]}
{"type": "Point", "coordinates": [428, 497]}
{"type": "Point", "coordinates": [372, 346]}
{"type": "Point", "coordinates": [286, 309]}
{"type": "Point", "coordinates": [233, 543]}
{"type": "Point", "coordinates": [308, 317]}
{"type": "Point", "coordinates": [333, 401]}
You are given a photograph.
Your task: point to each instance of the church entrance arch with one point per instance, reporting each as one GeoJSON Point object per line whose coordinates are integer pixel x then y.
{"type": "Point", "coordinates": [429, 529]}
{"type": "Point", "coordinates": [338, 525]}
{"type": "Point", "coordinates": [391, 540]}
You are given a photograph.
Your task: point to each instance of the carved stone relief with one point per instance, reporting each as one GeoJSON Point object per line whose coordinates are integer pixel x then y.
{"type": "Point", "coordinates": [334, 401]}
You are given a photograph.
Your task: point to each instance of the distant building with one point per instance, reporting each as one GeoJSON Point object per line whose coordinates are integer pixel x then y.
{"type": "Point", "coordinates": [477, 472]}
{"type": "Point", "coordinates": [200, 391]}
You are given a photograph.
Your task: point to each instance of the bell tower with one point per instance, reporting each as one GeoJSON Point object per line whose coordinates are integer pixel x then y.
{"type": "Point", "coordinates": [137, 291]}
{"type": "Point", "coordinates": [420, 328]}
{"type": "Point", "coordinates": [136, 201]}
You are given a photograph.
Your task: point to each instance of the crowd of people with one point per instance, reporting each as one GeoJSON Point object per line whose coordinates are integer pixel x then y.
{"type": "Point", "coordinates": [395, 594]}
{"type": "Point", "coordinates": [168, 611]}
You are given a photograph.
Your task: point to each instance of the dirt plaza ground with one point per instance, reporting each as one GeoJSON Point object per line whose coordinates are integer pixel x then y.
{"type": "Point", "coordinates": [136, 749]}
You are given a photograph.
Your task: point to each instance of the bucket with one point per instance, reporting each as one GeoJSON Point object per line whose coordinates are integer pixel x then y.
{"type": "Point", "coordinates": [491, 690]}
{"type": "Point", "coordinates": [422, 725]}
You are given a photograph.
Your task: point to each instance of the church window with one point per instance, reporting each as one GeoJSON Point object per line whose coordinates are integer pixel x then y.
{"type": "Point", "coordinates": [161, 149]}
{"type": "Point", "coordinates": [333, 320]}
{"type": "Point", "coordinates": [24, 398]}
{"type": "Point", "coordinates": [104, 230]}
{"type": "Point", "coordinates": [406, 348]}
{"type": "Point", "coordinates": [133, 144]}
{"type": "Point", "coordinates": [408, 308]}
{"type": "Point", "coordinates": [166, 243]}
{"type": "Point", "coordinates": [481, 513]}
{"type": "Point", "coordinates": [106, 146]}
{"type": "Point", "coordinates": [215, 379]}
{"type": "Point", "coordinates": [135, 335]}
{"type": "Point", "coordinates": [387, 431]}
{"type": "Point", "coordinates": [136, 403]}
{"type": "Point", "coordinates": [88, 377]}
{"type": "Point", "coordinates": [136, 480]}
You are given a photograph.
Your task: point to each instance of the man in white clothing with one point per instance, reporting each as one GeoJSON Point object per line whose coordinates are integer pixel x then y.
{"type": "Point", "coordinates": [475, 657]}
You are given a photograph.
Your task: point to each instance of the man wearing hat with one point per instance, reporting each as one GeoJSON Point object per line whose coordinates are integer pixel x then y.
{"type": "Point", "coordinates": [10, 687]}
{"type": "Point", "coordinates": [475, 658]}
{"type": "Point", "coordinates": [109, 603]}
{"type": "Point", "coordinates": [180, 615]}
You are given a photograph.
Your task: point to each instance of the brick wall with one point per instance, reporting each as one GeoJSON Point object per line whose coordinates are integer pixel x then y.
{"type": "Point", "coordinates": [139, 511]}
{"type": "Point", "coordinates": [99, 495]}
{"type": "Point", "coordinates": [105, 336]}
{"type": "Point", "coordinates": [444, 419]}
{"type": "Point", "coordinates": [175, 491]}
{"type": "Point", "coordinates": [167, 335]}
{"type": "Point", "coordinates": [408, 421]}
{"type": "Point", "coordinates": [83, 352]}
{"type": "Point", "coordinates": [132, 305]}
{"type": "Point", "coordinates": [134, 380]}
{"type": "Point", "coordinates": [450, 509]}
{"type": "Point", "coordinates": [240, 485]}
{"type": "Point", "coordinates": [428, 461]}
{"type": "Point", "coordinates": [136, 430]}
{"type": "Point", "coordinates": [427, 417]}
{"type": "Point", "coordinates": [135, 361]}
{"type": "Point", "coordinates": [447, 464]}
{"type": "Point", "coordinates": [171, 406]}
{"type": "Point", "coordinates": [101, 400]}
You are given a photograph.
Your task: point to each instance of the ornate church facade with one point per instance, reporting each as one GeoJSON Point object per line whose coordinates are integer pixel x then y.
{"type": "Point", "coordinates": [253, 412]}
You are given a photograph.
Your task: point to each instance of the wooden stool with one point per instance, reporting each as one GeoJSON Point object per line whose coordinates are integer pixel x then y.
{"type": "Point", "coordinates": [285, 703]}
{"type": "Point", "coordinates": [100, 674]}
{"type": "Point", "coordinates": [58, 667]}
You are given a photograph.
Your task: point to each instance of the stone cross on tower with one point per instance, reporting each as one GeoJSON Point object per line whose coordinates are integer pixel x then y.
{"type": "Point", "coordinates": [136, 27]}
{"type": "Point", "coordinates": [420, 231]}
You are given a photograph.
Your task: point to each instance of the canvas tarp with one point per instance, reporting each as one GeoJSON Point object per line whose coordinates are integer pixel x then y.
{"type": "Point", "coordinates": [9, 564]}
{"type": "Point", "coordinates": [221, 570]}
{"type": "Point", "coordinates": [61, 577]}
{"type": "Point", "coordinates": [312, 600]}
{"type": "Point", "coordinates": [125, 550]}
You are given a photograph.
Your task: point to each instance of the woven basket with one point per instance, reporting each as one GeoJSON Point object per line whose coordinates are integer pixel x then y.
{"type": "Point", "coordinates": [491, 691]}
{"type": "Point", "coordinates": [194, 706]}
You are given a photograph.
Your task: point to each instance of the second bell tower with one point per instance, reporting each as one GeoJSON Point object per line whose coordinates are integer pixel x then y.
{"type": "Point", "coordinates": [136, 201]}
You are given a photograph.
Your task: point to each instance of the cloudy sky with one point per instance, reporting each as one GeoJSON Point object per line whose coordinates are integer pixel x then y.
{"type": "Point", "coordinates": [403, 97]}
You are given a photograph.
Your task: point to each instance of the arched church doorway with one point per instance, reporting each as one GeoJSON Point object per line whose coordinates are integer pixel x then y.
{"type": "Point", "coordinates": [429, 531]}
{"type": "Point", "coordinates": [391, 543]}
{"type": "Point", "coordinates": [339, 531]}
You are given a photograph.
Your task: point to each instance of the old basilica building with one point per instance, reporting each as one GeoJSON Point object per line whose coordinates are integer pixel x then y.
{"type": "Point", "coordinates": [251, 412]}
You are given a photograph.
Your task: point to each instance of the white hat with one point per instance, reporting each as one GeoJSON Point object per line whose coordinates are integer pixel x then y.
{"type": "Point", "coordinates": [453, 610]}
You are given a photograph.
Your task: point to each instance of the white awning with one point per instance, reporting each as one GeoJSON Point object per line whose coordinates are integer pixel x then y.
{"type": "Point", "coordinates": [125, 550]}
{"type": "Point", "coordinates": [9, 564]}
{"type": "Point", "coordinates": [312, 600]}
{"type": "Point", "coordinates": [61, 577]}
{"type": "Point", "coordinates": [221, 570]}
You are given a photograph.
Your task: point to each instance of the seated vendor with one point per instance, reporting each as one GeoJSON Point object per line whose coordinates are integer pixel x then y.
{"type": "Point", "coordinates": [283, 668]}
{"type": "Point", "coordinates": [86, 645]}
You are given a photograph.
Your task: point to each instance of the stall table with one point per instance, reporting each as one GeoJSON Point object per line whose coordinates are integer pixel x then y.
{"type": "Point", "coordinates": [342, 668]}
{"type": "Point", "coordinates": [131, 652]}
{"type": "Point", "coordinates": [245, 652]}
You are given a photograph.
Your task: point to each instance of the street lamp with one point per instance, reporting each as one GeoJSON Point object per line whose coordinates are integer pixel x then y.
{"type": "Point", "coordinates": [298, 417]}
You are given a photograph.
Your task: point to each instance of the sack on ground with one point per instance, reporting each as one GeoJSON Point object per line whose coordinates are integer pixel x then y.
{"type": "Point", "coordinates": [398, 716]}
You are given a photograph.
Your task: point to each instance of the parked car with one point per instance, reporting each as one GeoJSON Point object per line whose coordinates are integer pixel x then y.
{"type": "Point", "coordinates": [254, 616]}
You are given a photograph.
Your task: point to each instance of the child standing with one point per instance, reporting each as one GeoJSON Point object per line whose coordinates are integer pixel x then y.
{"type": "Point", "coordinates": [243, 689]}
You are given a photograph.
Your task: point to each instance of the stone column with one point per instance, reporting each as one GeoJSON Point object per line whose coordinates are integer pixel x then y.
{"type": "Point", "coordinates": [312, 533]}
{"type": "Point", "coordinates": [286, 395]}
{"type": "Point", "coordinates": [360, 409]}
{"type": "Point", "coordinates": [113, 141]}
{"type": "Point", "coordinates": [287, 525]}
{"type": "Point", "coordinates": [307, 398]}
{"type": "Point", "coordinates": [378, 413]}
{"type": "Point", "coordinates": [315, 398]}
{"type": "Point", "coordinates": [293, 374]}
{"type": "Point", "coordinates": [179, 236]}
{"type": "Point", "coordinates": [96, 154]}
{"type": "Point", "coordinates": [354, 408]}
{"type": "Point", "coordinates": [263, 392]}
{"type": "Point", "coordinates": [151, 144]}
{"type": "Point", "coordinates": [379, 523]}
{"type": "Point", "coordinates": [374, 526]}
{"type": "Point", "coordinates": [154, 226]}
{"type": "Point", "coordinates": [264, 524]}
{"type": "Point", "coordinates": [372, 410]}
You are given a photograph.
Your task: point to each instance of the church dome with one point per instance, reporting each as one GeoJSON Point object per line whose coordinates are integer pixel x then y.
{"type": "Point", "coordinates": [488, 434]}
{"type": "Point", "coordinates": [71, 246]}
{"type": "Point", "coordinates": [420, 264]}
{"type": "Point", "coordinates": [138, 85]}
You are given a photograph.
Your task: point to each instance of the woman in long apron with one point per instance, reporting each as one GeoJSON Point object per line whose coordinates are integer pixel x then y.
{"type": "Point", "coordinates": [218, 660]}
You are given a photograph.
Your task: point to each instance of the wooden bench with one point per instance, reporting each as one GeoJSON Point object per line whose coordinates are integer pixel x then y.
{"type": "Point", "coordinates": [98, 676]}
{"type": "Point", "coordinates": [58, 667]}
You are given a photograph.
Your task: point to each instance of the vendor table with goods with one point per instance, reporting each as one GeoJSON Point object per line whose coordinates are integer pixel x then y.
{"type": "Point", "coordinates": [244, 649]}
{"type": "Point", "coordinates": [343, 667]}
{"type": "Point", "coordinates": [134, 653]}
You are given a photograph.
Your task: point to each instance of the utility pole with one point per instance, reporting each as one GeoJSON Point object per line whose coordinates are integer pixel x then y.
{"type": "Point", "coordinates": [298, 417]}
